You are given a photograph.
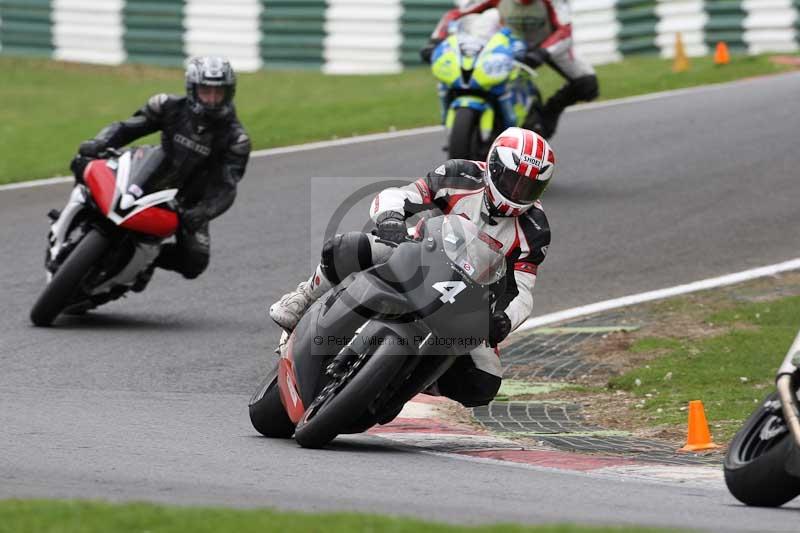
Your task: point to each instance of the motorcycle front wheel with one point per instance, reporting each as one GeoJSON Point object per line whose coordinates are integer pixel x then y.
{"type": "Point", "coordinates": [347, 406]}
{"type": "Point", "coordinates": [66, 281]}
{"type": "Point", "coordinates": [755, 463]}
{"type": "Point", "coordinates": [465, 137]}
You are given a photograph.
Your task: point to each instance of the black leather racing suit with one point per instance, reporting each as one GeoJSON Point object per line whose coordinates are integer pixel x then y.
{"type": "Point", "coordinates": [205, 161]}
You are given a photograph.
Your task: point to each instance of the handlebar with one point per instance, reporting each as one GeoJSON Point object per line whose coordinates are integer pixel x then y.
{"type": "Point", "coordinates": [531, 72]}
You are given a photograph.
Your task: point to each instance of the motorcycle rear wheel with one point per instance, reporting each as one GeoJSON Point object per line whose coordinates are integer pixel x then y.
{"type": "Point", "coordinates": [353, 400]}
{"type": "Point", "coordinates": [268, 415]}
{"type": "Point", "coordinates": [66, 281]}
{"type": "Point", "coordinates": [755, 470]}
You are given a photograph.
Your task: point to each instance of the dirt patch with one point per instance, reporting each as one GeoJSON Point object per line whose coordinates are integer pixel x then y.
{"type": "Point", "coordinates": [455, 412]}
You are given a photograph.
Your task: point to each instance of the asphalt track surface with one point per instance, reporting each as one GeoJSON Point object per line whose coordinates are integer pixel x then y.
{"type": "Point", "coordinates": [147, 397]}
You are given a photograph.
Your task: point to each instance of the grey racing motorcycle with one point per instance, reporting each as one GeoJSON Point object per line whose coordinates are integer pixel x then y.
{"type": "Point", "coordinates": [383, 335]}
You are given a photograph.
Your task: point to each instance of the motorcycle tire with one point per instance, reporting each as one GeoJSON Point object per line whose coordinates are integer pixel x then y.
{"type": "Point", "coordinates": [268, 415]}
{"type": "Point", "coordinates": [465, 137]}
{"type": "Point", "coordinates": [353, 400]}
{"type": "Point", "coordinates": [60, 291]}
{"type": "Point", "coordinates": [755, 470]}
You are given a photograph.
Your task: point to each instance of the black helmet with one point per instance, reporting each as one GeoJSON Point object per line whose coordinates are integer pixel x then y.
{"type": "Point", "coordinates": [210, 72]}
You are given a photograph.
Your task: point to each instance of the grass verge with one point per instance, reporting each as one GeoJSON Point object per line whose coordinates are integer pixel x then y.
{"type": "Point", "coordinates": [43, 516]}
{"type": "Point", "coordinates": [52, 106]}
{"type": "Point", "coordinates": [731, 372]}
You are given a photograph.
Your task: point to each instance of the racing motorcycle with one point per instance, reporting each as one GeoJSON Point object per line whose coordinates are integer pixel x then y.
{"type": "Point", "coordinates": [383, 335]}
{"type": "Point", "coordinates": [762, 466]}
{"type": "Point", "coordinates": [108, 235]}
{"type": "Point", "coordinates": [483, 89]}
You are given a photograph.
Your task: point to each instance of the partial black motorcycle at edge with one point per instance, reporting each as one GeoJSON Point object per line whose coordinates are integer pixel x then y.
{"type": "Point", "coordinates": [762, 466]}
{"type": "Point", "coordinates": [383, 335]}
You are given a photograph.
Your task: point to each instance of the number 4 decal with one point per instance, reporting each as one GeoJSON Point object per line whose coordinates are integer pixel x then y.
{"type": "Point", "coordinates": [449, 290]}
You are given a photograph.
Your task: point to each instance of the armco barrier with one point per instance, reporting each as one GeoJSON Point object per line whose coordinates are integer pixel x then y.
{"type": "Point", "coordinates": [26, 27]}
{"type": "Point", "coordinates": [293, 33]}
{"type": "Point", "coordinates": [363, 36]}
{"type": "Point", "coordinates": [89, 31]}
{"type": "Point", "coordinates": [418, 20]}
{"type": "Point", "coordinates": [725, 23]}
{"type": "Point", "coordinates": [237, 20]}
{"type": "Point", "coordinates": [596, 30]}
{"type": "Point", "coordinates": [154, 31]}
{"type": "Point", "coordinates": [771, 25]}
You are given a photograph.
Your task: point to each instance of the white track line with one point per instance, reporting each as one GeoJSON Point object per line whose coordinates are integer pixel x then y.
{"type": "Point", "coordinates": [433, 129]}
{"type": "Point", "coordinates": [357, 139]}
{"type": "Point", "coordinates": [35, 183]}
{"type": "Point", "coordinates": [711, 283]}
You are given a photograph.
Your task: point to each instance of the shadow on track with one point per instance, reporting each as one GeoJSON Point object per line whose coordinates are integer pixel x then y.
{"type": "Point", "coordinates": [112, 322]}
{"type": "Point", "coordinates": [357, 443]}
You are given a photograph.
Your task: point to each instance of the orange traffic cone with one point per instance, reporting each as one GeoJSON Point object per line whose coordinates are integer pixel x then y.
{"type": "Point", "coordinates": [681, 63]}
{"type": "Point", "coordinates": [721, 55]}
{"type": "Point", "coordinates": [699, 437]}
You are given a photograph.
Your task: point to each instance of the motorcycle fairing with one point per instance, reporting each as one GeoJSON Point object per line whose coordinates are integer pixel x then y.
{"type": "Point", "coordinates": [446, 61]}
{"type": "Point", "coordinates": [288, 385]}
{"type": "Point", "coordinates": [123, 202]}
{"type": "Point", "coordinates": [59, 230]}
{"type": "Point", "coordinates": [143, 256]}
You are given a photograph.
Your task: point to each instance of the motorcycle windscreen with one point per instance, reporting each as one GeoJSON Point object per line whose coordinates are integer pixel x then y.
{"type": "Point", "coordinates": [147, 166]}
{"type": "Point", "coordinates": [440, 292]}
{"type": "Point", "coordinates": [473, 251]}
{"type": "Point", "coordinates": [147, 163]}
{"type": "Point", "coordinates": [475, 30]}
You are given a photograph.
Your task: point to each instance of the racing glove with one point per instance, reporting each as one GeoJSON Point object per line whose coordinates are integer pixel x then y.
{"type": "Point", "coordinates": [92, 148]}
{"type": "Point", "coordinates": [499, 328]}
{"type": "Point", "coordinates": [534, 57]}
{"type": "Point", "coordinates": [391, 227]}
{"type": "Point", "coordinates": [426, 52]}
{"type": "Point", "coordinates": [192, 219]}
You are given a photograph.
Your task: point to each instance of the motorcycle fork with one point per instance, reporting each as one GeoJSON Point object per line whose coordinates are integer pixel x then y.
{"type": "Point", "coordinates": [787, 387]}
{"type": "Point", "coordinates": [404, 388]}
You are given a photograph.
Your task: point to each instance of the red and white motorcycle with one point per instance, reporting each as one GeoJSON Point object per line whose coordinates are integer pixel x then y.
{"type": "Point", "coordinates": [108, 235]}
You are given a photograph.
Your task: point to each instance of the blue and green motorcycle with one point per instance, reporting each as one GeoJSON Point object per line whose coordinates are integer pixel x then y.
{"type": "Point", "coordinates": [483, 89]}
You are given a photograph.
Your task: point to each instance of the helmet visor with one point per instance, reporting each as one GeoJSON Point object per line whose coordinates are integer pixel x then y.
{"type": "Point", "coordinates": [516, 187]}
{"type": "Point", "coordinates": [212, 96]}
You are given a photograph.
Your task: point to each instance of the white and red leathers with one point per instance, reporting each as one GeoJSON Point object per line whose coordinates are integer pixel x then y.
{"type": "Point", "coordinates": [457, 187]}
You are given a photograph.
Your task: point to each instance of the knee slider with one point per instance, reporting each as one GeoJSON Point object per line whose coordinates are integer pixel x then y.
{"type": "Point", "coordinates": [482, 391]}
{"type": "Point", "coordinates": [194, 265]}
{"type": "Point", "coordinates": [470, 389]}
{"type": "Point", "coordinates": [586, 88]}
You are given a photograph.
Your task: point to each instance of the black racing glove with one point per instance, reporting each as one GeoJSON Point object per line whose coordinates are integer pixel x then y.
{"type": "Point", "coordinates": [499, 328]}
{"type": "Point", "coordinates": [92, 148]}
{"type": "Point", "coordinates": [534, 57]}
{"type": "Point", "coordinates": [192, 219]}
{"type": "Point", "coordinates": [391, 227]}
{"type": "Point", "coordinates": [426, 52]}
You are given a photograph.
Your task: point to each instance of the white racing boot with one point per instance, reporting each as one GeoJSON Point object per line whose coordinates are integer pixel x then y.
{"type": "Point", "coordinates": [287, 311]}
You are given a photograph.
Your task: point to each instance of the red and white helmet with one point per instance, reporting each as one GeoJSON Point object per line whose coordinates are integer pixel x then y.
{"type": "Point", "coordinates": [518, 170]}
